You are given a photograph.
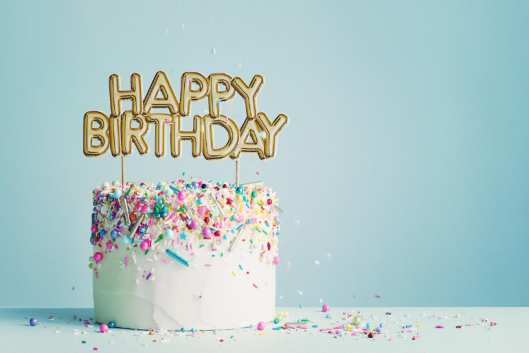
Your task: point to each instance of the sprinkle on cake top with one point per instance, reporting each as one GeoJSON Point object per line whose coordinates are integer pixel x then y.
{"type": "Point", "coordinates": [206, 213]}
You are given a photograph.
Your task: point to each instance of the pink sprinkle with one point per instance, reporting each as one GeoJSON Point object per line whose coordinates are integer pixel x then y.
{"type": "Point", "coordinates": [97, 275]}
{"type": "Point", "coordinates": [167, 121]}
{"type": "Point", "coordinates": [126, 261]}
{"type": "Point", "coordinates": [96, 349]}
{"type": "Point", "coordinates": [254, 285]}
{"type": "Point", "coordinates": [209, 265]}
{"type": "Point", "coordinates": [439, 326]}
{"type": "Point", "coordinates": [257, 173]}
{"type": "Point", "coordinates": [164, 260]}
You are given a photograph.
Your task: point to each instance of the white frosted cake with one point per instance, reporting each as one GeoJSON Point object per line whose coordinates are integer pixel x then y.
{"type": "Point", "coordinates": [180, 255]}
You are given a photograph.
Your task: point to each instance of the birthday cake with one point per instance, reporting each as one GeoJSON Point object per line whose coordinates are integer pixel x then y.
{"type": "Point", "coordinates": [184, 255]}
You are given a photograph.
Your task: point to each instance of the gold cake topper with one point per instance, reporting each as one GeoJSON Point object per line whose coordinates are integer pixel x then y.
{"type": "Point", "coordinates": [115, 133]}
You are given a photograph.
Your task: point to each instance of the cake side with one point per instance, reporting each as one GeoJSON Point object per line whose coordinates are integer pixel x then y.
{"type": "Point", "coordinates": [184, 255]}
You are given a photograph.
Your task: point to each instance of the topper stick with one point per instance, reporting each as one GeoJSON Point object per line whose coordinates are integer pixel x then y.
{"type": "Point", "coordinates": [123, 176]}
{"type": "Point", "coordinates": [237, 172]}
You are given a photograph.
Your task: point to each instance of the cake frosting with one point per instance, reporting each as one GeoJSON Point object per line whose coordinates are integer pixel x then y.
{"type": "Point", "coordinates": [184, 255]}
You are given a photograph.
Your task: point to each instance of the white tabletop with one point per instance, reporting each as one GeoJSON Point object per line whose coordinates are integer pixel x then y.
{"type": "Point", "coordinates": [64, 334]}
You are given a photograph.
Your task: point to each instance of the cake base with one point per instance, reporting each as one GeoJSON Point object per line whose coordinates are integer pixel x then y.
{"type": "Point", "coordinates": [219, 289]}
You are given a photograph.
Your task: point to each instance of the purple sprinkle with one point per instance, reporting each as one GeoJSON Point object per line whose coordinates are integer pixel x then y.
{"type": "Point", "coordinates": [148, 276]}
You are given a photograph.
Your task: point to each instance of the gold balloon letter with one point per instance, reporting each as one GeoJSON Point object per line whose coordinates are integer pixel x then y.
{"type": "Point", "coordinates": [115, 142]}
{"type": "Point", "coordinates": [160, 120]}
{"type": "Point", "coordinates": [130, 135]}
{"type": "Point", "coordinates": [216, 96]}
{"type": "Point", "coordinates": [117, 95]}
{"type": "Point", "coordinates": [212, 153]}
{"type": "Point", "coordinates": [100, 134]}
{"type": "Point", "coordinates": [161, 84]}
{"type": "Point", "coordinates": [250, 129]}
{"type": "Point", "coordinates": [188, 94]}
{"type": "Point", "coordinates": [272, 130]}
{"type": "Point", "coordinates": [249, 93]}
{"type": "Point", "coordinates": [195, 136]}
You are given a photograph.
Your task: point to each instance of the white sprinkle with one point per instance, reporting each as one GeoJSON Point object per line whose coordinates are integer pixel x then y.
{"type": "Point", "coordinates": [281, 297]}
{"type": "Point", "coordinates": [300, 292]}
{"type": "Point", "coordinates": [213, 51]}
{"type": "Point", "coordinates": [137, 281]}
{"type": "Point", "coordinates": [182, 26]}
{"type": "Point", "coordinates": [321, 300]}
{"type": "Point", "coordinates": [317, 262]}
{"type": "Point", "coordinates": [166, 31]}
{"type": "Point", "coordinates": [240, 65]}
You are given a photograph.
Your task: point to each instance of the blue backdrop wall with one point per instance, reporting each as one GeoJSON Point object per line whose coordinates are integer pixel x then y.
{"type": "Point", "coordinates": [403, 171]}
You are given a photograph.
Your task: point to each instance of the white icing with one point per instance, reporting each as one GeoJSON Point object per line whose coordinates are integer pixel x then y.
{"type": "Point", "coordinates": [172, 301]}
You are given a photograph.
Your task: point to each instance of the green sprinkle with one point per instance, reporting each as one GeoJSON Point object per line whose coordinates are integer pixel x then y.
{"type": "Point", "coordinates": [185, 207]}
{"type": "Point", "coordinates": [221, 254]}
{"type": "Point", "coordinates": [73, 288]}
{"type": "Point", "coordinates": [251, 241]}
{"type": "Point", "coordinates": [180, 210]}
{"type": "Point", "coordinates": [146, 252]}
{"type": "Point", "coordinates": [231, 337]}
{"type": "Point", "coordinates": [201, 245]}
{"type": "Point", "coordinates": [184, 173]}
{"type": "Point", "coordinates": [84, 341]}
{"type": "Point", "coordinates": [159, 239]}
{"type": "Point", "coordinates": [265, 232]}
{"type": "Point", "coordinates": [305, 320]}
{"type": "Point", "coordinates": [128, 192]}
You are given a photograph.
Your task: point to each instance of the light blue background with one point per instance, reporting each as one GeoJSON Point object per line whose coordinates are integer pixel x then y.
{"type": "Point", "coordinates": [405, 159]}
